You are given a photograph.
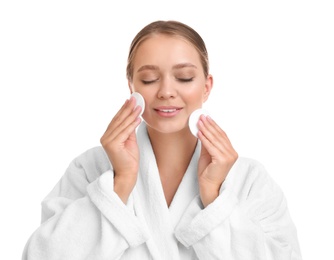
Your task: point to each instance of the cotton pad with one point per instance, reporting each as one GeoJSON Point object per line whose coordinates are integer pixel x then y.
{"type": "Point", "coordinates": [139, 101]}
{"type": "Point", "coordinates": [193, 120]}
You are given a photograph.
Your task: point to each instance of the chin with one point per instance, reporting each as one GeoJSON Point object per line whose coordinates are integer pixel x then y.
{"type": "Point", "coordinates": [168, 127]}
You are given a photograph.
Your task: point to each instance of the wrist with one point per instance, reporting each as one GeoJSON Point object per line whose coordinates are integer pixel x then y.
{"type": "Point", "coordinates": [208, 193]}
{"type": "Point", "coordinates": [123, 186]}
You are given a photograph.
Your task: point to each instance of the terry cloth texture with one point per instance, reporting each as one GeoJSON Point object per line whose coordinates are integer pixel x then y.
{"type": "Point", "coordinates": [83, 218]}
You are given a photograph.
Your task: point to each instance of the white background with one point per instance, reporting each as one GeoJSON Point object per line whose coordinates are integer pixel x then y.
{"type": "Point", "coordinates": [62, 78]}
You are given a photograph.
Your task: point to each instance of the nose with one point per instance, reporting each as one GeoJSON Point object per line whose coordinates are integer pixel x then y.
{"type": "Point", "coordinates": [166, 89]}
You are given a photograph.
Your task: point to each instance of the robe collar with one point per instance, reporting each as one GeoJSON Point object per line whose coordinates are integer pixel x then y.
{"type": "Point", "coordinates": [153, 207]}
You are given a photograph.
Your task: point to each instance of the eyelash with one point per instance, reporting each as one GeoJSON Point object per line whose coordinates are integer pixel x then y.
{"type": "Point", "coordinates": [148, 82]}
{"type": "Point", "coordinates": [186, 80]}
{"type": "Point", "coordinates": [180, 79]}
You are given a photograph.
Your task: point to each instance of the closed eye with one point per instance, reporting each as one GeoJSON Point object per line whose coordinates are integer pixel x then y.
{"type": "Point", "coordinates": [149, 81]}
{"type": "Point", "coordinates": [185, 79]}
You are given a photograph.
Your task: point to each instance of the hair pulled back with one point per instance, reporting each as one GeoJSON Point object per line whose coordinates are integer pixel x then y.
{"type": "Point", "coordinates": [172, 28]}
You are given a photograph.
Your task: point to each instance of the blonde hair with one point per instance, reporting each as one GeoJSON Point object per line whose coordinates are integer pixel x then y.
{"type": "Point", "coordinates": [172, 28]}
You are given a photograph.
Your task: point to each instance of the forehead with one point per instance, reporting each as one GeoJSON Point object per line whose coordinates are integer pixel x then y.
{"type": "Point", "coordinates": [161, 48]}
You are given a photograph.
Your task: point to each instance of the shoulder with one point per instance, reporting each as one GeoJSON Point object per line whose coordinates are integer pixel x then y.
{"type": "Point", "coordinates": [248, 177]}
{"type": "Point", "coordinates": [248, 168]}
{"type": "Point", "coordinates": [92, 163]}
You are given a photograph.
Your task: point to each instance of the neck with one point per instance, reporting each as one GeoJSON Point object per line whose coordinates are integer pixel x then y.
{"type": "Point", "coordinates": [172, 151]}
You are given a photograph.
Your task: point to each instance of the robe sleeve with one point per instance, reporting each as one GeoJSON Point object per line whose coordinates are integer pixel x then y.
{"type": "Point", "coordinates": [248, 220]}
{"type": "Point", "coordinates": [83, 218]}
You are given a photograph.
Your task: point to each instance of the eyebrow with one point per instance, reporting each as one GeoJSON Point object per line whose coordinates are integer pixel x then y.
{"type": "Point", "coordinates": [148, 67]}
{"type": "Point", "coordinates": [177, 66]}
{"type": "Point", "coordinates": [184, 65]}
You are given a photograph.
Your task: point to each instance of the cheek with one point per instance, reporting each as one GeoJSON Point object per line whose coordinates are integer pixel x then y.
{"type": "Point", "coordinates": [195, 95]}
{"type": "Point", "coordinates": [149, 98]}
{"type": "Point", "coordinates": [147, 94]}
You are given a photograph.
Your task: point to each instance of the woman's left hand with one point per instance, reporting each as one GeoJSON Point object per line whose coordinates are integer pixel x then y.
{"type": "Point", "coordinates": [216, 160]}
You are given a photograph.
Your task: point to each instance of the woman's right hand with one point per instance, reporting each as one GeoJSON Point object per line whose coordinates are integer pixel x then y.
{"type": "Point", "coordinates": [120, 143]}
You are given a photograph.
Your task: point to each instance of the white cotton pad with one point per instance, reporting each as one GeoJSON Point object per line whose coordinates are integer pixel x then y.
{"type": "Point", "coordinates": [139, 101]}
{"type": "Point", "coordinates": [193, 120]}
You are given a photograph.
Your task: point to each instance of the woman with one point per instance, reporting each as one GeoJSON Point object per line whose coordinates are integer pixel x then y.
{"type": "Point", "coordinates": [157, 191]}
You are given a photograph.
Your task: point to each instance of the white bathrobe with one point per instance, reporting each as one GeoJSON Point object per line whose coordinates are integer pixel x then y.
{"type": "Point", "coordinates": [83, 218]}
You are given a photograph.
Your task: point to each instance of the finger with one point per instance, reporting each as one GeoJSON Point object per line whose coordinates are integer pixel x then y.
{"type": "Point", "coordinates": [128, 134]}
{"type": "Point", "coordinates": [217, 138]}
{"type": "Point", "coordinates": [118, 113]}
{"type": "Point", "coordinates": [124, 117]}
{"type": "Point", "coordinates": [121, 137]}
{"type": "Point", "coordinates": [221, 131]}
{"type": "Point", "coordinates": [127, 126]}
{"type": "Point", "coordinates": [216, 126]}
{"type": "Point", "coordinates": [226, 158]}
{"type": "Point", "coordinates": [212, 133]}
{"type": "Point", "coordinates": [207, 147]}
{"type": "Point", "coordinates": [123, 113]}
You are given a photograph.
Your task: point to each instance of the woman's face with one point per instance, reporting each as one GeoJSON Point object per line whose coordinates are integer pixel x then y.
{"type": "Point", "coordinates": [169, 75]}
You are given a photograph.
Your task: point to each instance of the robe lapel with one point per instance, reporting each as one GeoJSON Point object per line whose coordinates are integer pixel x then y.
{"type": "Point", "coordinates": [152, 200]}
{"type": "Point", "coordinates": [187, 189]}
{"type": "Point", "coordinates": [151, 203]}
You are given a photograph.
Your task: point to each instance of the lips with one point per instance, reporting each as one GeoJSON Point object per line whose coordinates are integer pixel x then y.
{"type": "Point", "coordinates": [168, 111]}
{"type": "Point", "coordinates": [167, 108]}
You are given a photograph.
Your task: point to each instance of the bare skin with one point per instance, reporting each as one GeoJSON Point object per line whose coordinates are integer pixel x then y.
{"type": "Point", "coordinates": [173, 153]}
{"type": "Point", "coordinates": [120, 143]}
{"type": "Point", "coordinates": [169, 75]}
